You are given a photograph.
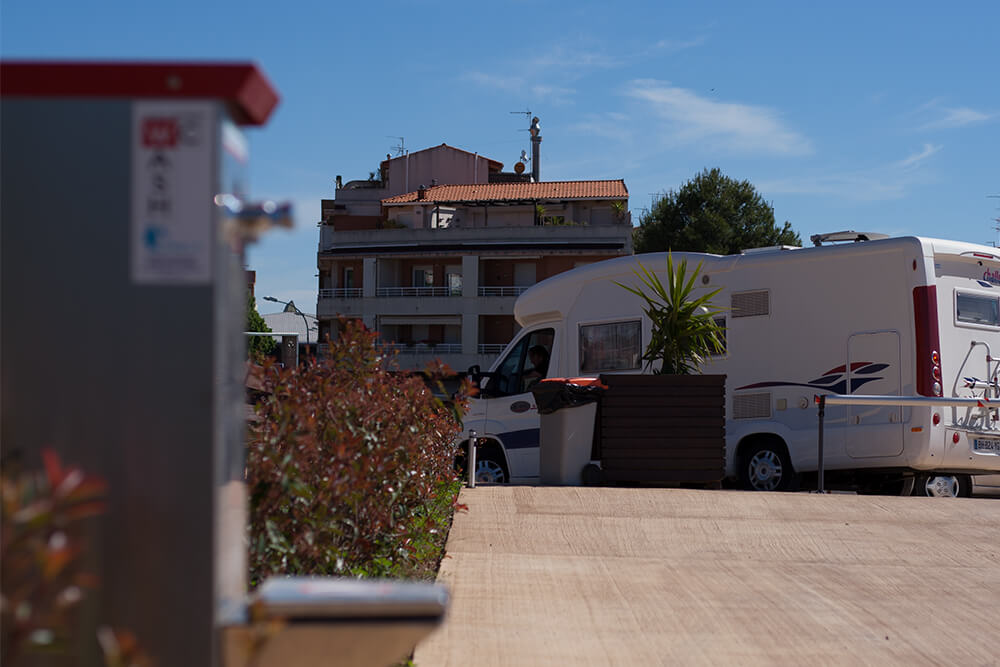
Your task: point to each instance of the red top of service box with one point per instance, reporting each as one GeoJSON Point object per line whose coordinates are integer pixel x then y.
{"type": "Point", "coordinates": [249, 94]}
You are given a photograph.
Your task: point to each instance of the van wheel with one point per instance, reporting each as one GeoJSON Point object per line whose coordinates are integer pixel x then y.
{"type": "Point", "coordinates": [490, 471]}
{"type": "Point", "coordinates": [767, 467]}
{"type": "Point", "coordinates": [943, 486]}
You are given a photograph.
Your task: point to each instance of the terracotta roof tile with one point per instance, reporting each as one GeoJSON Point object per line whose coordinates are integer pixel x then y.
{"type": "Point", "coordinates": [483, 192]}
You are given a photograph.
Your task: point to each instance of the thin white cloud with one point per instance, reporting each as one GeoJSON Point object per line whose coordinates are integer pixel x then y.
{"type": "Point", "coordinates": [958, 117]}
{"type": "Point", "coordinates": [611, 125]}
{"type": "Point", "coordinates": [573, 57]}
{"type": "Point", "coordinates": [542, 92]}
{"type": "Point", "coordinates": [504, 83]}
{"type": "Point", "coordinates": [884, 183]}
{"type": "Point", "coordinates": [914, 160]}
{"type": "Point", "coordinates": [691, 118]}
{"type": "Point", "coordinates": [675, 45]}
{"type": "Point", "coordinates": [552, 94]}
{"type": "Point", "coordinates": [935, 114]}
{"type": "Point", "coordinates": [859, 187]}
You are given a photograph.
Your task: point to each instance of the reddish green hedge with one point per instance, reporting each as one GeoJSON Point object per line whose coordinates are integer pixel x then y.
{"type": "Point", "coordinates": [350, 467]}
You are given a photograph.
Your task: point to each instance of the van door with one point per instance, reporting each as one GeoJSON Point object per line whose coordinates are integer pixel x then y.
{"type": "Point", "coordinates": [510, 405]}
{"type": "Point", "coordinates": [873, 368]}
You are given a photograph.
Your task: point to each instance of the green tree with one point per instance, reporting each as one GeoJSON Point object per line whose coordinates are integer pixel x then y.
{"type": "Point", "coordinates": [258, 346]}
{"type": "Point", "coordinates": [711, 213]}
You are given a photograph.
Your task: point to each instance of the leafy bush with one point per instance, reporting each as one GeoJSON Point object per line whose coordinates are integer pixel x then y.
{"type": "Point", "coordinates": [43, 546]}
{"type": "Point", "coordinates": [350, 467]}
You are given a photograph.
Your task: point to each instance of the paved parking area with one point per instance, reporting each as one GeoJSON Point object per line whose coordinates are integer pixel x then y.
{"type": "Point", "coordinates": [556, 576]}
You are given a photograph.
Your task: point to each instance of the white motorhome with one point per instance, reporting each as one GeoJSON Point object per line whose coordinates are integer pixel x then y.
{"type": "Point", "coordinates": [891, 316]}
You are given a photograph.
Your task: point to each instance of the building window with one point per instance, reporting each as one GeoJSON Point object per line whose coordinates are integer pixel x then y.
{"type": "Point", "coordinates": [348, 277]}
{"type": "Point", "coordinates": [453, 278]}
{"type": "Point", "coordinates": [615, 346]}
{"type": "Point", "coordinates": [423, 276]}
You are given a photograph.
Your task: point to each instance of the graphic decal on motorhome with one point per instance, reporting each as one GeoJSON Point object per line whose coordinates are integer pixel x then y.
{"type": "Point", "coordinates": [992, 276]}
{"type": "Point", "coordinates": [522, 439]}
{"type": "Point", "coordinates": [834, 380]}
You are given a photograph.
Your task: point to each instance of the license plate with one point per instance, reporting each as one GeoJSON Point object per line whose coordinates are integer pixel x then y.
{"type": "Point", "coordinates": [986, 445]}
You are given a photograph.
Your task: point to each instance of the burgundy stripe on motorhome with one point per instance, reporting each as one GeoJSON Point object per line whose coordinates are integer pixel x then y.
{"type": "Point", "coordinates": [928, 339]}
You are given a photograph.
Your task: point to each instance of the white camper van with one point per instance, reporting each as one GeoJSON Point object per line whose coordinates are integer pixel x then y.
{"type": "Point", "coordinates": [891, 316]}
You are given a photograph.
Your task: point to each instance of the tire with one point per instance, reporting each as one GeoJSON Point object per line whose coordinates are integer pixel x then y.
{"type": "Point", "coordinates": [943, 486]}
{"type": "Point", "coordinates": [766, 466]}
{"type": "Point", "coordinates": [490, 465]}
{"type": "Point", "coordinates": [490, 471]}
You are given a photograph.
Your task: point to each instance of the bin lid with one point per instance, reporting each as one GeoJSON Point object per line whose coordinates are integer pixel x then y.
{"type": "Point", "coordinates": [580, 382]}
{"type": "Point", "coordinates": [247, 92]}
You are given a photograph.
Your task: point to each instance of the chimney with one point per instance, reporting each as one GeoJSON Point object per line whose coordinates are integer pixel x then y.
{"type": "Point", "coordinates": [421, 191]}
{"type": "Point", "coordinates": [536, 142]}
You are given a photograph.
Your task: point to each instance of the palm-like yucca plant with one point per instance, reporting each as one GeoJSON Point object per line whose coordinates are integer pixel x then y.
{"type": "Point", "coordinates": [684, 331]}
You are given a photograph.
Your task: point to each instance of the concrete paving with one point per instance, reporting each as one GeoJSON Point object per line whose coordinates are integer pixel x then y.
{"type": "Point", "coordinates": [616, 576]}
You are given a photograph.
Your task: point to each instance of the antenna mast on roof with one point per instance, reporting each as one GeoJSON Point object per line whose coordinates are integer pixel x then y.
{"type": "Point", "coordinates": [996, 225]}
{"type": "Point", "coordinates": [524, 159]}
{"type": "Point", "coordinates": [401, 148]}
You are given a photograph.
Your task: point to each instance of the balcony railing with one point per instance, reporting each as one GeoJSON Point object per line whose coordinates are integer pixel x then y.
{"type": "Point", "coordinates": [418, 291]}
{"type": "Point", "coordinates": [422, 348]}
{"type": "Point", "coordinates": [491, 348]}
{"type": "Point", "coordinates": [340, 293]}
{"type": "Point", "coordinates": [501, 291]}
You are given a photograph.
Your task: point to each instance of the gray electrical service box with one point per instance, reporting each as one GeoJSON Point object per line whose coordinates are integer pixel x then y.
{"type": "Point", "coordinates": [122, 298]}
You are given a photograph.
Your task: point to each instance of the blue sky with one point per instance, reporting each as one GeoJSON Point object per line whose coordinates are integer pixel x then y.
{"type": "Point", "coordinates": [869, 116]}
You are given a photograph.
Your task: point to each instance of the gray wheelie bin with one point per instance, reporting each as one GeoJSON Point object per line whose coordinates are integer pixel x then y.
{"type": "Point", "coordinates": [567, 409]}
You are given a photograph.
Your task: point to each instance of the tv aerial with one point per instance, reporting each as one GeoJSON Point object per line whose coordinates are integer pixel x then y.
{"type": "Point", "coordinates": [400, 148]}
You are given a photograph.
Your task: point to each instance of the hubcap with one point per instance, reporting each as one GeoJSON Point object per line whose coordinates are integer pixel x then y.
{"type": "Point", "coordinates": [489, 472]}
{"type": "Point", "coordinates": [765, 471]}
{"type": "Point", "coordinates": [945, 486]}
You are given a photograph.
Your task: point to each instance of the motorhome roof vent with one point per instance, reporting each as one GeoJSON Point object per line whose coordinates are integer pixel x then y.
{"type": "Point", "coordinates": [749, 304]}
{"type": "Point", "coordinates": [846, 236]}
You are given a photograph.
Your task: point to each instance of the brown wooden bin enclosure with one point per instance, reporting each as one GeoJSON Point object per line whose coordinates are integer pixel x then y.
{"type": "Point", "coordinates": [662, 429]}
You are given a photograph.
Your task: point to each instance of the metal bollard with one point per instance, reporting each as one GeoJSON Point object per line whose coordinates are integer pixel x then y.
{"type": "Point", "coordinates": [819, 445]}
{"type": "Point", "coordinates": [471, 459]}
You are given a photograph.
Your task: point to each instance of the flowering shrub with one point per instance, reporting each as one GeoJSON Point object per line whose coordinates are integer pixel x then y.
{"type": "Point", "coordinates": [350, 467]}
{"type": "Point", "coordinates": [44, 543]}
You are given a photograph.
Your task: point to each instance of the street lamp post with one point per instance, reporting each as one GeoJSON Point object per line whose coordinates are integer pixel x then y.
{"type": "Point", "coordinates": [296, 309]}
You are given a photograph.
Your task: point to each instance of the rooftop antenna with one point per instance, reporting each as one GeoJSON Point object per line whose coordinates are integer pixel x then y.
{"type": "Point", "coordinates": [996, 225]}
{"type": "Point", "coordinates": [526, 112]}
{"type": "Point", "coordinates": [522, 161]}
{"type": "Point", "coordinates": [400, 148]}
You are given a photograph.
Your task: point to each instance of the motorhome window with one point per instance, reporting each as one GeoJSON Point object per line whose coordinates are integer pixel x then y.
{"type": "Point", "coordinates": [976, 309]}
{"type": "Point", "coordinates": [721, 323]}
{"type": "Point", "coordinates": [615, 346]}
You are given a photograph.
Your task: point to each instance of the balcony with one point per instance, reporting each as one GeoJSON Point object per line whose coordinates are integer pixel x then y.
{"type": "Point", "coordinates": [491, 349]}
{"type": "Point", "coordinates": [501, 291]}
{"type": "Point", "coordinates": [421, 348]}
{"type": "Point", "coordinates": [597, 239]}
{"type": "Point", "coordinates": [340, 293]}
{"type": "Point", "coordinates": [417, 291]}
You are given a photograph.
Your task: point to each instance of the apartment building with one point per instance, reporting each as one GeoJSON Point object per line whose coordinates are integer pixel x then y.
{"type": "Point", "coordinates": [435, 266]}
